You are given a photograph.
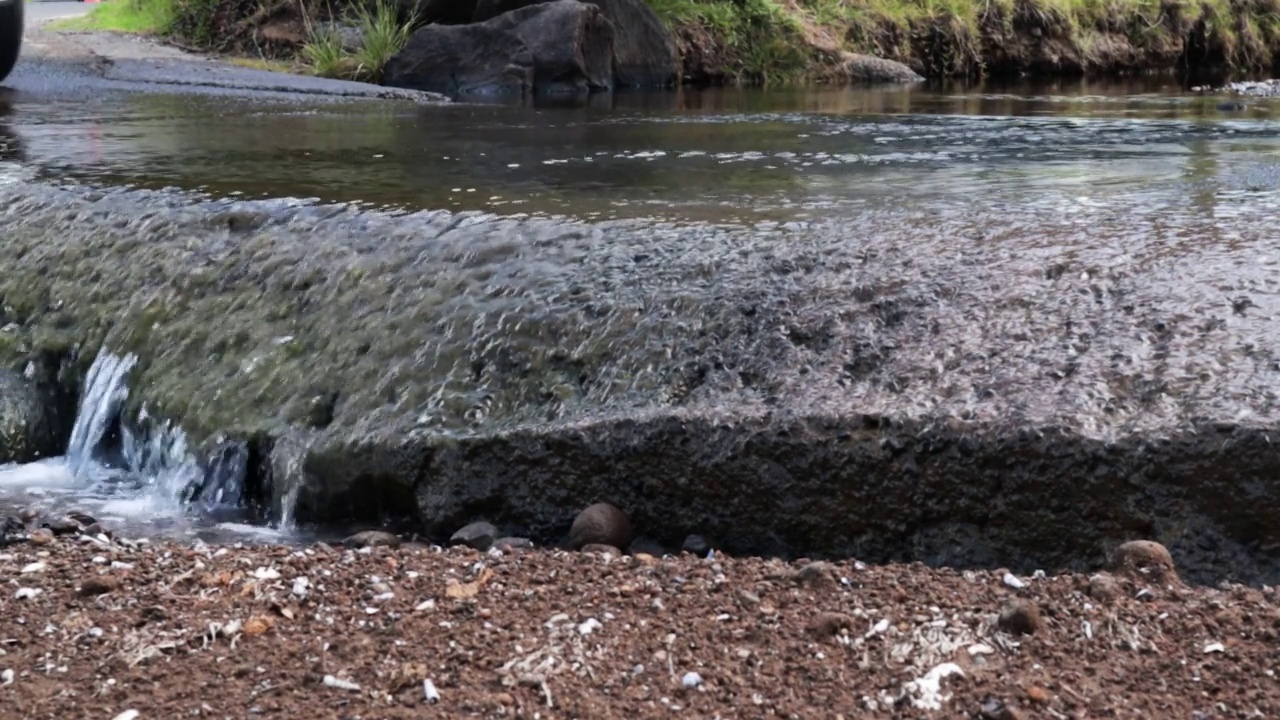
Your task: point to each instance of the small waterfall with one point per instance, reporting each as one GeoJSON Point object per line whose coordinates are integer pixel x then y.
{"type": "Point", "coordinates": [105, 392]}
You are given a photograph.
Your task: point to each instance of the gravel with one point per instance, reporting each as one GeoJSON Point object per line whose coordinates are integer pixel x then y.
{"type": "Point", "coordinates": [174, 631]}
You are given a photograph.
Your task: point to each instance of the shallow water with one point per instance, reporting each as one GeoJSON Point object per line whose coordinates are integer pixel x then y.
{"type": "Point", "coordinates": [1151, 196]}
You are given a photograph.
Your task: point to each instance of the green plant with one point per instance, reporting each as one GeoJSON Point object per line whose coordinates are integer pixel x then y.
{"type": "Point", "coordinates": [383, 34]}
{"type": "Point", "coordinates": [323, 51]}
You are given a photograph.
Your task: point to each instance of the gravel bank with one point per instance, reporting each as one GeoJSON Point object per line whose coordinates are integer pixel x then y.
{"type": "Point", "coordinates": [97, 629]}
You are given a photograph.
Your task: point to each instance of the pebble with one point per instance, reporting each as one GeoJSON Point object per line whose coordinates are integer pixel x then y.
{"type": "Point", "coordinates": [1020, 617]}
{"type": "Point", "coordinates": [429, 692]}
{"type": "Point", "coordinates": [696, 545]}
{"type": "Point", "coordinates": [830, 623]}
{"type": "Point", "coordinates": [478, 535]}
{"type": "Point", "coordinates": [816, 575]}
{"type": "Point", "coordinates": [601, 524]}
{"type": "Point", "coordinates": [34, 567]}
{"type": "Point", "coordinates": [97, 585]}
{"type": "Point", "coordinates": [27, 593]}
{"type": "Point", "coordinates": [1013, 581]}
{"type": "Point", "coordinates": [691, 680]}
{"type": "Point", "coordinates": [6, 677]}
{"type": "Point", "coordinates": [41, 536]}
{"type": "Point", "coordinates": [601, 548]}
{"type": "Point", "coordinates": [127, 715]}
{"type": "Point", "coordinates": [333, 682]}
{"type": "Point", "coordinates": [28, 515]}
{"type": "Point", "coordinates": [62, 526]}
{"type": "Point", "coordinates": [646, 546]}
{"type": "Point", "coordinates": [372, 539]}
{"type": "Point", "coordinates": [1103, 587]}
{"type": "Point", "coordinates": [513, 543]}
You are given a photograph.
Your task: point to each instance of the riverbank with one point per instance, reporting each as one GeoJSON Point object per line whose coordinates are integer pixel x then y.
{"type": "Point", "coordinates": [722, 41]}
{"type": "Point", "coordinates": [324, 632]}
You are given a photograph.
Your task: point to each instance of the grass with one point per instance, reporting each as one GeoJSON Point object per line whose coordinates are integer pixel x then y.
{"type": "Point", "coordinates": [382, 34]}
{"type": "Point", "coordinates": [141, 17]}
{"type": "Point", "coordinates": [784, 40]}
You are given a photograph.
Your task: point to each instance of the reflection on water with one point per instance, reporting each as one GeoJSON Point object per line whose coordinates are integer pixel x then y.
{"type": "Point", "coordinates": [722, 155]}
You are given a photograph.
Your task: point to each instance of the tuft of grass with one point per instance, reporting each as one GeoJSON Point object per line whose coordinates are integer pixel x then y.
{"type": "Point", "coordinates": [140, 17]}
{"type": "Point", "coordinates": [383, 34]}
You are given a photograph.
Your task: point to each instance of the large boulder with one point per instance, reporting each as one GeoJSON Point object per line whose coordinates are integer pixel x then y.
{"type": "Point", "coordinates": [644, 54]}
{"type": "Point", "coordinates": [28, 423]}
{"type": "Point", "coordinates": [552, 47]}
{"type": "Point", "coordinates": [873, 70]}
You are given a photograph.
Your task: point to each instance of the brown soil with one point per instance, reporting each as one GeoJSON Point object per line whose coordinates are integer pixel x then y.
{"type": "Point", "coordinates": [172, 631]}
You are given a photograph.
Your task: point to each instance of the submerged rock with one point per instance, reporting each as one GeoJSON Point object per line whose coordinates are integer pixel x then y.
{"type": "Point", "coordinates": [870, 69]}
{"type": "Point", "coordinates": [556, 47]}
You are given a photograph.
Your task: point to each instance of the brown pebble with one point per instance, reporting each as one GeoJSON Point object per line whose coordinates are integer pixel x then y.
{"type": "Point", "coordinates": [373, 538]}
{"type": "Point", "coordinates": [1146, 557]}
{"type": "Point", "coordinates": [645, 558]}
{"type": "Point", "coordinates": [97, 585]}
{"type": "Point", "coordinates": [1020, 617]}
{"type": "Point", "coordinates": [504, 699]}
{"type": "Point", "coordinates": [601, 524]}
{"type": "Point", "coordinates": [41, 536]}
{"type": "Point", "coordinates": [816, 575]}
{"type": "Point", "coordinates": [1103, 587]}
{"type": "Point", "coordinates": [507, 544]}
{"type": "Point", "coordinates": [830, 623]}
{"type": "Point", "coordinates": [601, 548]}
{"type": "Point", "coordinates": [1037, 694]}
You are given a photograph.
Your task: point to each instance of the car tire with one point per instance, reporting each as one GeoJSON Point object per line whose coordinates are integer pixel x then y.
{"type": "Point", "coordinates": [10, 34]}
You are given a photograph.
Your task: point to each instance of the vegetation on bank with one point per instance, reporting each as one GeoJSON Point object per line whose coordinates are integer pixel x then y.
{"type": "Point", "coordinates": [792, 40]}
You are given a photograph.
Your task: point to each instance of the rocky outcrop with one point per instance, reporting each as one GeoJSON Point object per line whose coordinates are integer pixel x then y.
{"type": "Point", "coordinates": [872, 70]}
{"type": "Point", "coordinates": [30, 426]}
{"type": "Point", "coordinates": [562, 46]}
{"type": "Point", "coordinates": [644, 52]}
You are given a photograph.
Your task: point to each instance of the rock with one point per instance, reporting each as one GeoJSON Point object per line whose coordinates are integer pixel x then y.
{"type": "Point", "coordinates": [41, 536]}
{"type": "Point", "coordinates": [602, 524]}
{"type": "Point", "coordinates": [28, 515]}
{"type": "Point", "coordinates": [1103, 587]}
{"type": "Point", "coordinates": [696, 545]}
{"type": "Point", "coordinates": [97, 585]}
{"type": "Point", "coordinates": [1145, 557]}
{"type": "Point", "coordinates": [84, 519]}
{"type": "Point", "coordinates": [96, 529]}
{"type": "Point", "coordinates": [373, 538]}
{"type": "Point", "coordinates": [1020, 617]}
{"type": "Point", "coordinates": [561, 46]}
{"type": "Point", "coordinates": [61, 526]}
{"type": "Point", "coordinates": [601, 548]}
{"type": "Point", "coordinates": [478, 535]}
{"type": "Point", "coordinates": [830, 623]}
{"type": "Point", "coordinates": [644, 52]}
{"type": "Point", "coordinates": [442, 12]}
{"type": "Point", "coordinates": [28, 423]}
{"type": "Point", "coordinates": [513, 543]}
{"type": "Point", "coordinates": [870, 69]}
{"type": "Point", "coordinates": [816, 575]}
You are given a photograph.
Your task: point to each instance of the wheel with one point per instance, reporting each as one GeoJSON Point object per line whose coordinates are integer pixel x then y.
{"type": "Point", "coordinates": [10, 34]}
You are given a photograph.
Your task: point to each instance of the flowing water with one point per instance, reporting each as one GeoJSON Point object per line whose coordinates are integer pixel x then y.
{"type": "Point", "coordinates": [1096, 175]}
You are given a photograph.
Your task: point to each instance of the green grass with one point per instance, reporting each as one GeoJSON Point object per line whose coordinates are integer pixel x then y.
{"type": "Point", "coordinates": [142, 17]}
{"type": "Point", "coordinates": [383, 34]}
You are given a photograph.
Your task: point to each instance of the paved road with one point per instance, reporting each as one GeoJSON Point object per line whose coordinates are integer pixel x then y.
{"type": "Point", "coordinates": [41, 10]}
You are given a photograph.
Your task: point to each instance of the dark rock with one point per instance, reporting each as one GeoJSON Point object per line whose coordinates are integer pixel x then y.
{"type": "Point", "coordinates": [95, 529]}
{"type": "Point", "coordinates": [696, 545]}
{"type": "Point", "coordinates": [870, 69]}
{"type": "Point", "coordinates": [561, 46]}
{"type": "Point", "coordinates": [373, 538]}
{"type": "Point", "coordinates": [644, 53]}
{"type": "Point", "coordinates": [97, 585]}
{"type": "Point", "coordinates": [601, 524]}
{"type": "Point", "coordinates": [1020, 617]}
{"type": "Point", "coordinates": [84, 519]}
{"type": "Point", "coordinates": [513, 543]}
{"type": "Point", "coordinates": [28, 427]}
{"type": "Point", "coordinates": [830, 623]}
{"type": "Point", "coordinates": [478, 535]}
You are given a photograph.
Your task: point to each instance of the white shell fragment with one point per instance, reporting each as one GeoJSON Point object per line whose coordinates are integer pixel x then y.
{"type": "Point", "coordinates": [429, 692]}
{"type": "Point", "coordinates": [337, 684]}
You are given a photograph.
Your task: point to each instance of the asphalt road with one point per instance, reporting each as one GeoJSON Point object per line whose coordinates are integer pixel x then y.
{"type": "Point", "coordinates": [41, 10]}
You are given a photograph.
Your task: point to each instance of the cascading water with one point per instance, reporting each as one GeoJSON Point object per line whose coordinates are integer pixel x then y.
{"type": "Point", "coordinates": [131, 472]}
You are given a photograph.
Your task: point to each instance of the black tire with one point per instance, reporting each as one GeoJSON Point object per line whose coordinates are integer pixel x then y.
{"type": "Point", "coordinates": [10, 34]}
